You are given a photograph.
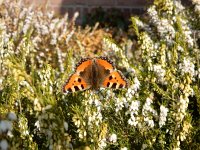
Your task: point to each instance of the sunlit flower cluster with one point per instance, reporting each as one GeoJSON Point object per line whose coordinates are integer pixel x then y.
{"type": "Point", "coordinates": [163, 115]}
{"type": "Point", "coordinates": [186, 130]}
{"type": "Point", "coordinates": [102, 143]}
{"type": "Point", "coordinates": [187, 31]}
{"type": "Point", "coordinates": [119, 103]}
{"type": "Point", "coordinates": [197, 5]}
{"type": "Point", "coordinates": [133, 111]}
{"type": "Point", "coordinates": [183, 105]}
{"type": "Point", "coordinates": [119, 51]}
{"type": "Point", "coordinates": [148, 112]}
{"type": "Point", "coordinates": [142, 24]}
{"type": "Point", "coordinates": [147, 48]}
{"type": "Point", "coordinates": [124, 148]}
{"type": "Point", "coordinates": [179, 7]}
{"type": "Point", "coordinates": [164, 26]}
{"type": "Point", "coordinates": [93, 114]}
{"type": "Point", "coordinates": [45, 77]}
{"type": "Point", "coordinates": [46, 124]}
{"type": "Point", "coordinates": [133, 89]}
{"type": "Point", "coordinates": [113, 138]}
{"type": "Point", "coordinates": [169, 5]}
{"type": "Point", "coordinates": [160, 73]}
{"type": "Point", "coordinates": [187, 66]}
{"type": "Point", "coordinates": [27, 19]}
{"type": "Point", "coordinates": [153, 14]}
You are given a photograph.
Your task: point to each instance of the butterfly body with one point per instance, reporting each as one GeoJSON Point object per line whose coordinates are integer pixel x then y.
{"type": "Point", "coordinates": [93, 73]}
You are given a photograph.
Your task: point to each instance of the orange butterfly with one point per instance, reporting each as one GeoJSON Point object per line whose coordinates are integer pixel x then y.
{"type": "Point", "coordinates": [93, 73]}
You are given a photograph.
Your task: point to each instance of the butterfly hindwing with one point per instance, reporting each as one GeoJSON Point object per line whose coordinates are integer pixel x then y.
{"type": "Point", "coordinates": [75, 83]}
{"type": "Point", "coordinates": [115, 80]}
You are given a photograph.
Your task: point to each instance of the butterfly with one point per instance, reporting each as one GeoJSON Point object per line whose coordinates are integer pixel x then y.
{"type": "Point", "coordinates": [95, 73]}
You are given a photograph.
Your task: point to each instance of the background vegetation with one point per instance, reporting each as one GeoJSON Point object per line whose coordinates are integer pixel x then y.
{"type": "Point", "coordinates": [160, 109]}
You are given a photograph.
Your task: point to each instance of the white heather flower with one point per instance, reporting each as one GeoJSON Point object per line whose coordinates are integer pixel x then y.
{"type": "Point", "coordinates": [169, 5]}
{"type": "Point", "coordinates": [132, 90]}
{"type": "Point", "coordinates": [98, 118]}
{"type": "Point", "coordinates": [81, 133]}
{"type": "Point", "coordinates": [12, 116]}
{"type": "Point", "coordinates": [139, 23]}
{"type": "Point", "coordinates": [119, 104]}
{"type": "Point", "coordinates": [165, 28]}
{"type": "Point", "coordinates": [46, 108]}
{"type": "Point", "coordinates": [22, 13]}
{"type": "Point", "coordinates": [25, 28]}
{"type": "Point", "coordinates": [3, 144]}
{"type": "Point", "coordinates": [160, 72]}
{"type": "Point", "coordinates": [37, 124]}
{"type": "Point", "coordinates": [187, 32]}
{"type": "Point", "coordinates": [187, 67]}
{"type": "Point", "coordinates": [186, 129]}
{"type": "Point", "coordinates": [144, 146]}
{"type": "Point", "coordinates": [179, 6]}
{"type": "Point", "coordinates": [76, 14]}
{"type": "Point", "coordinates": [148, 111]}
{"type": "Point", "coordinates": [50, 14]}
{"type": "Point", "coordinates": [180, 48]}
{"type": "Point", "coordinates": [97, 103]}
{"type": "Point", "coordinates": [59, 54]}
{"type": "Point", "coordinates": [76, 122]}
{"type": "Point", "coordinates": [197, 8]}
{"type": "Point", "coordinates": [149, 122]}
{"type": "Point", "coordinates": [183, 105]}
{"type": "Point", "coordinates": [153, 14]}
{"type": "Point", "coordinates": [134, 107]}
{"type": "Point", "coordinates": [28, 20]}
{"type": "Point", "coordinates": [90, 100]}
{"type": "Point", "coordinates": [196, 1]}
{"type": "Point", "coordinates": [44, 30]}
{"type": "Point", "coordinates": [163, 115]}
{"type": "Point", "coordinates": [113, 138]}
{"type": "Point", "coordinates": [132, 121]}
{"type": "Point", "coordinates": [111, 45]}
{"type": "Point", "coordinates": [53, 23]}
{"type": "Point", "coordinates": [69, 36]}
{"type": "Point", "coordinates": [136, 85]}
{"type": "Point", "coordinates": [102, 143]}
{"type": "Point", "coordinates": [53, 39]}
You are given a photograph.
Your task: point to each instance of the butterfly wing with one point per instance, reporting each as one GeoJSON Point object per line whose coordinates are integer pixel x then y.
{"type": "Point", "coordinates": [75, 83]}
{"type": "Point", "coordinates": [83, 65]}
{"type": "Point", "coordinates": [79, 80]}
{"type": "Point", "coordinates": [105, 63]}
{"type": "Point", "coordinates": [115, 80]}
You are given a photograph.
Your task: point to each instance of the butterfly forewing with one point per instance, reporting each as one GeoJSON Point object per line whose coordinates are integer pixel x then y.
{"type": "Point", "coordinates": [83, 64]}
{"type": "Point", "coordinates": [107, 64]}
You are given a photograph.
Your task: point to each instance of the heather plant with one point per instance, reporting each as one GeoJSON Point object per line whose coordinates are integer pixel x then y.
{"type": "Point", "coordinates": [159, 110]}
